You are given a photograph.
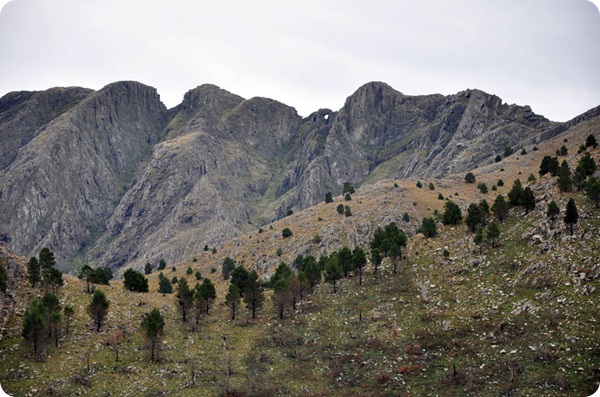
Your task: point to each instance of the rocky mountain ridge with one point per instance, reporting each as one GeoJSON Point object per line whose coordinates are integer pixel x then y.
{"type": "Point", "coordinates": [113, 177]}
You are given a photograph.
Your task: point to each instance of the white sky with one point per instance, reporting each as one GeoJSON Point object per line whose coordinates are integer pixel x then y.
{"type": "Point", "coordinates": [310, 54]}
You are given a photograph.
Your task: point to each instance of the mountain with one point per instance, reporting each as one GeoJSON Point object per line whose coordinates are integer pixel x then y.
{"type": "Point", "coordinates": [513, 316]}
{"type": "Point", "coordinates": [113, 177]}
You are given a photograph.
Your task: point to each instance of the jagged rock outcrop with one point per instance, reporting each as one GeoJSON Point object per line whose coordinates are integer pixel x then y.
{"type": "Point", "coordinates": [113, 177]}
{"type": "Point", "coordinates": [68, 179]}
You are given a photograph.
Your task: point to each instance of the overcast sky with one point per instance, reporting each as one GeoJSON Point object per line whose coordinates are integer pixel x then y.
{"type": "Point", "coordinates": [310, 54]}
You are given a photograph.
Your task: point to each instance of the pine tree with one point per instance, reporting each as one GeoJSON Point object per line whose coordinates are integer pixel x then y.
{"type": "Point", "coordinates": [87, 274]}
{"type": "Point", "coordinates": [240, 277]}
{"type": "Point", "coordinates": [345, 259]}
{"type": "Point", "coordinates": [208, 293]}
{"type": "Point", "coordinates": [484, 209]}
{"type": "Point", "coordinates": [147, 268]}
{"type": "Point", "coordinates": [162, 264]}
{"type": "Point", "coordinates": [164, 284]}
{"type": "Point", "coordinates": [470, 178]}
{"type": "Point", "coordinates": [359, 259]}
{"type": "Point", "coordinates": [428, 227]}
{"type": "Point", "coordinates": [3, 278]}
{"type": "Point", "coordinates": [328, 197]}
{"type": "Point", "coordinates": [553, 210]}
{"type": "Point", "coordinates": [34, 326]}
{"type": "Point", "coordinates": [579, 178]}
{"type": "Point", "coordinates": [253, 295]}
{"type": "Point", "coordinates": [473, 217]}
{"type": "Point", "coordinates": [135, 281]}
{"type": "Point", "coordinates": [500, 208]}
{"type": "Point", "coordinates": [47, 259]}
{"type": "Point", "coordinates": [493, 232]}
{"type": "Point", "coordinates": [51, 306]}
{"type": "Point", "coordinates": [587, 163]}
{"type": "Point", "coordinates": [452, 214]}
{"type": "Point", "coordinates": [516, 193]}
{"type": "Point", "coordinates": [311, 269]}
{"type": "Point", "coordinates": [98, 308]}
{"type": "Point", "coordinates": [528, 200]}
{"type": "Point", "coordinates": [333, 271]}
{"type": "Point", "coordinates": [33, 271]}
{"type": "Point", "coordinates": [590, 141]}
{"type": "Point", "coordinates": [152, 325]}
{"type": "Point", "coordinates": [549, 165]}
{"type": "Point", "coordinates": [478, 239]}
{"type": "Point", "coordinates": [185, 298]}
{"type": "Point", "coordinates": [571, 215]}
{"type": "Point", "coordinates": [69, 312]}
{"type": "Point", "coordinates": [232, 299]}
{"type": "Point", "coordinates": [564, 177]}
{"type": "Point", "coordinates": [282, 296]}
{"type": "Point", "coordinates": [592, 190]}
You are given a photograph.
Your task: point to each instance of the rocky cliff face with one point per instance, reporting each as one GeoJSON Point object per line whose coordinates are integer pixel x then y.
{"type": "Point", "coordinates": [67, 180]}
{"type": "Point", "coordinates": [114, 178]}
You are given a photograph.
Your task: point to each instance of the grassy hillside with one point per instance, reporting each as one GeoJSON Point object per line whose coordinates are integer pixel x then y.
{"type": "Point", "coordinates": [519, 319]}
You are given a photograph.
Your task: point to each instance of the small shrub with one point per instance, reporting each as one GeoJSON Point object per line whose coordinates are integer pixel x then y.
{"type": "Point", "coordinates": [340, 209]}
{"type": "Point", "coordinates": [482, 187]}
{"type": "Point", "coordinates": [286, 233]}
{"type": "Point", "coordinates": [419, 184]}
{"type": "Point", "coordinates": [189, 271]}
{"type": "Point", "coordinates": [198, 275]}
{"type": "Point", "coordinates": [289, 212]}
{"type": "Point", "coordinates": [347, 211]}
{"type": "Point", "coordinates": [317, 239]}
{"type": "Point", "coordinates": [174, 268]}
{"type": "Point", "coordinates": [347, 197]}
{"type": "Point", "coordinates": [213, 269]}
{"type": "Point", "coordinates": [523, 152]}
{"type": "Point", "coordinates": [214, 250]}
{"type": "Point", "coordinates": [279, 252]}
{"type": "Point", "coordinates": [440, 196]}
{"type": "Point", "coordinates": [406, 217]}
{"type": "Point", "coordinates": [531, 178]}
{"type": "Point", "coordinates": [498, 159]}
{"type": "Point", "coordinates": [431, 186]}
{"type": "Point", "coordinates": [500, 182]}
{"type": "Point", "coordinates": [174, 280]}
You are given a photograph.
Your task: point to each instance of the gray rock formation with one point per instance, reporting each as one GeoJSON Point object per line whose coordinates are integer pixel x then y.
{"type": "Point", "coordinates": [113, 177]}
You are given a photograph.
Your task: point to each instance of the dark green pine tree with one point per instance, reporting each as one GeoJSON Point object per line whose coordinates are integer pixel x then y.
{"type": "Point", "coordinates": [564, 177]}
{"type": "Point", "coordinates": [493, 232]}
{"type": "Point", "coordinates": [592, 190]}
{"type": "Point", "coordinates": [51, 305]}
{"type": "Point", "coordinates": [428, 227]}
{"type": "Point", "coordinates": [553, 211]}
{"type": "Point", "coordinates": [333, 271]}
{"type": "Point", "coordinates": [253, 295]}
{"type": "Point", "coordinates": [152, 325]}
{"type": "Point", "coordinates": [345, 260]}
{"type": "Point", "coordinates": [516, 193]}
{"type": "Point", "coordinates": [452, 214]}
{"type": "Point", "coordinates": [528, 200]}
{"type": "Point", "coordinates": [310, 267]}
{"type": "Point", "coordinates": [185, 298]}
{"type": "Point", "coordinates": [233, 299]}
{"type": "Point", "coordinates": [34, 326]}
{"type": "Point", "coordinates": [164, 284]}
{"type": "Point", "coordinates": [34, 274]}
{"type": "Point", "coordinates": [359, 259]}
{"type": "Point", "coordinates": [147, 268]}
{"type": "Point", "coordinates": [484, 208]}
{"type": "Point", "coordinates": [208, 293]}
{"type": "Point", "coordinates": [571, 215]}
{"type": "Point", "coordinates": [500, 208]}
{"type": "Point", "coordinates": [3, 278]}
{"type": "Point", "coordinates": [474, 217]}
{"type": "Point", "coordinates": [328, 197]}
{"type": "Point", "coordinates": [98, 309]}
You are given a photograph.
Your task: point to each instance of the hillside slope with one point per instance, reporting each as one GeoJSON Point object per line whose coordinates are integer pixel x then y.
{"type": "Point", "coordinates": [112, 177]}
{"type": "Point", "coordinates": [516, 319]}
